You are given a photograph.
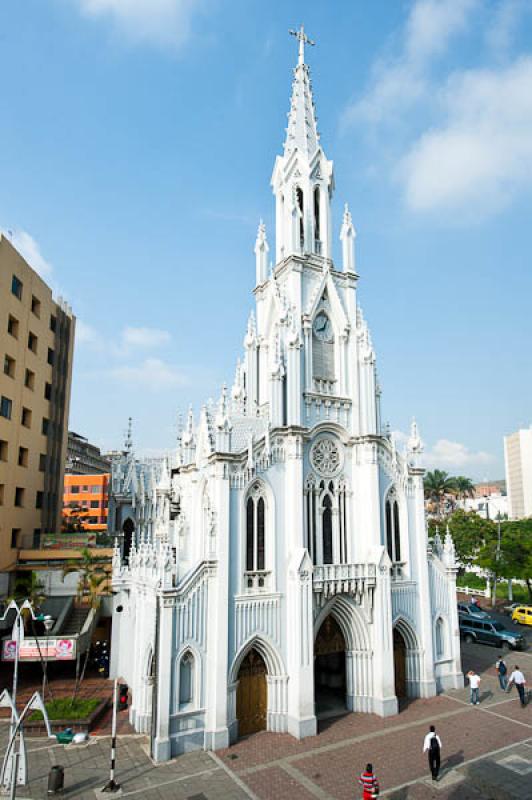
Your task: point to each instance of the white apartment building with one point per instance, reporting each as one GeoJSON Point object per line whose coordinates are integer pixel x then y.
{"type": "Point", "coordinates": [518, 465]}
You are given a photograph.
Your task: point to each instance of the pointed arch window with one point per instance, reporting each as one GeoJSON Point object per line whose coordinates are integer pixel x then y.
{"type": "Point", "coordinates": [440, 638]}
{"type": "Point", "coordinates": [256, 538]}
{"type": "Point", "coordinates": [326, 520]}
{"type": "Point", "coordinates": [317, 226]}
{"type": "Point", "coordinates": [300, 205]}
{"type": "Point", "coordinates": [186, 681]}
{"type": "Point", "coordinates": [393, 529]}
{"type": "Point", "coordinates": [327, 530]}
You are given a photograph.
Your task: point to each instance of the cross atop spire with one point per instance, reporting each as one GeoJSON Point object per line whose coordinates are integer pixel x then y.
{"type": "Point", "coordinates": [303, 40]}
{"type": "Point", "coordinates": [302, 132]}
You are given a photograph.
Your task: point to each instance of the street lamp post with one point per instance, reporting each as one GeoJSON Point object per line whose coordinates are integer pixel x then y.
{"type": "Point", "coordinates": [18, 629]}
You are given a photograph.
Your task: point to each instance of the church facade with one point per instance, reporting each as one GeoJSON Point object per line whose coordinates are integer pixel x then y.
{"type": "Point", "coordinates": [278, 568]}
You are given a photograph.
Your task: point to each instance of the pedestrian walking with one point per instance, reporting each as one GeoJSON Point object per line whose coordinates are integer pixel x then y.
{"type": "Point", "coordinates": [519, 680]}
{"type": "Point", "coordinates": [502, 670]}
{"type": "Point", "coordinates": [369, 782]}
{"type": "Point", "coordinates": [474, 683]}
{"type": "Point", "coordinates": [432, 744]}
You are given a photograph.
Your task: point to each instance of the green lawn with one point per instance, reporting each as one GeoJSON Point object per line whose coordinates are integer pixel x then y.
{"type": "Point", "coordinates": [63, 708]}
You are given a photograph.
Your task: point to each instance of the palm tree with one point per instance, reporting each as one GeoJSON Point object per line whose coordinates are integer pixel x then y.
{"type": "Point", "coordinates": [88, 567]}
{"type": "Point", "coordinates": [438, 484]}
{"type": "Point", "coordinates": [94, 585]}
{"type": "Point", "coordinates": [92, 577]}
{"type": "Point", "coordinates": [464, 487]}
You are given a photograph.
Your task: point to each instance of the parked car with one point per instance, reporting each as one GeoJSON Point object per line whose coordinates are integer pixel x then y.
{"type": "Point", "coordinates": [489, 631]}
{"type": "Point", "coordinates": [522, 615]}
{"type": "Point", "coordinates": [471, 610]}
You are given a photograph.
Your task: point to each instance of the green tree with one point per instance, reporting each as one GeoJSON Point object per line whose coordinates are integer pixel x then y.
{"type": "Point", "coordinates": [514, 560]}
{"type": "Point", "coordinates": [437, 485]}
{"type": "Point", "coordinates": [464, 487]}
{"type": "Point", "coordinates": [89, 568]}
{"type": "Point", "coordinates": [470, 533]}
{"type": "Point", "coordinates": [92, 579]}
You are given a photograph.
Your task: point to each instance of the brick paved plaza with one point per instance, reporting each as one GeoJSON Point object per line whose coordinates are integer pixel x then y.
{"type": "Point", "coordinates": [487, 753]}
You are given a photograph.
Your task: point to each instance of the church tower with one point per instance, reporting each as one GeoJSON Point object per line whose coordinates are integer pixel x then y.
{"type": "Point", "coordinates": [283, 557]}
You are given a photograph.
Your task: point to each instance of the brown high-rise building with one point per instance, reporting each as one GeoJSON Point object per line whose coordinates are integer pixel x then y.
{"type": "Point", "coordinates": [36, 346]}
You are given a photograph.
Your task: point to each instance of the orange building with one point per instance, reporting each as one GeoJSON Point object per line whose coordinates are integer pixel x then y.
{"type": "Point", "coordinates": [86, 497]}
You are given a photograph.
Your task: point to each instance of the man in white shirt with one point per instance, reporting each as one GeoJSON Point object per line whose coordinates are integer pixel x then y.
{"type": "Point", "coordinates": [474, 683]}
{"type": "Point", "coordinates": [519, 680]}
{"type": "Point", "coordinates": [432, 743]}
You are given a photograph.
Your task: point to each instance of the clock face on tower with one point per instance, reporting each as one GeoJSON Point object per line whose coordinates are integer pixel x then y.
{"type": "Point", "coordinates": [322, 327]}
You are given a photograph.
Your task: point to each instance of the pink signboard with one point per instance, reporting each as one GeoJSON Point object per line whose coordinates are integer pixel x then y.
{"type": "Point", "coordinates": [52, 649]}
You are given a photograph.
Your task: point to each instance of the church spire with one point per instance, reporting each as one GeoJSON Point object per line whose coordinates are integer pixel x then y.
{"type": "Point", "coordinates": [302, 179]}
{"type": "Point", "coordinates": [302, 131]}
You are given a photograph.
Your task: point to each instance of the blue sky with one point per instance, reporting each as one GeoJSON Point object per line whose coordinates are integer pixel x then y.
{"type": "Point", "coordinates": [137, 140]}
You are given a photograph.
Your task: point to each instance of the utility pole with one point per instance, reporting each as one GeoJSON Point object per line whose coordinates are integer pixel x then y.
{"type": "Point", "coordinates": [111, 785]}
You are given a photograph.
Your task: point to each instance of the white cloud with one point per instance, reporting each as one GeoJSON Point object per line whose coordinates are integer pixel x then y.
{"type": "Point", "coordinates": [144, 337]}
{"type": "Point", "coordinates": [152, 374]}
{"type": "Point", "coordinates": [455, 456]}
{"type": "Point", "coordinates": [162, 22]}
{"type": "Point", "coordinates": [126, 343]}
{"type": "Point", "coordinates": [431, 25]}
{"type": "Point", "coordinates": [86, 334]}
{"type": "Point", "coordinates": [401, 81]}
{"type": "Point", "coordinates": [30, 250]}
{"type": "Point", "coordinates": [481, 154]}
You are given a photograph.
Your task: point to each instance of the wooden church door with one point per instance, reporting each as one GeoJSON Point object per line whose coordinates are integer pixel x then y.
{"type": "Point", "coordinates": [251, 695]}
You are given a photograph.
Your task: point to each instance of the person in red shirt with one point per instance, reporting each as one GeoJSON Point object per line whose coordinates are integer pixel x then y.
{"type": "Point", "coordinates": [369, 782]}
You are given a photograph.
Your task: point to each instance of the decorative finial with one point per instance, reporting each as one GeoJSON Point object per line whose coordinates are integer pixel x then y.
{"type": "Point", "coordinates": [128, 445]}
{"type": "Point", "coordinates": [303, 39]}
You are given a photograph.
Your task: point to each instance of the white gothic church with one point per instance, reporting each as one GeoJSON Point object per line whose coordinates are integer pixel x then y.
{"type": "Point", "coordinates": [278, 567]}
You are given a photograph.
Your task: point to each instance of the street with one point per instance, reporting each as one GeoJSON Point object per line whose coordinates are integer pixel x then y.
{"type": "Point", "coordinates": [487, 752]}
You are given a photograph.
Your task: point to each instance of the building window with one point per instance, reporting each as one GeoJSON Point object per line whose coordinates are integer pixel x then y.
{"type": "Point", "coordinates": [95, 503]}
{"type": "Point", "coordinates": [95, 489]}
{"type": "Point", "coordinates": [26, 417]}
{"type": "Point", "coordinates": [19, 496]}
{"type": "Point", "coordinates": [3, 450]}
{"type": "Point", "coordinates": [12, 326]}
{"type": "Point", "coordinates": [393, 530]}
{"type": "Point", "coordinates": [317, 237]}
{"type": "Point", "coordinates": [36, 538]}
{"type": "Point", "coordinates": [186, 681]}
{"type": "Point", "coordinates": [14, 537]}
{"type": "Point", "coordinates": [23, 456]}
{"type": "Point", "coordinates": [47, 391]}
{"type": "Point", "coordinates": [9, 366]}
{"type": "Point", "coordinates": [42, 462]}
{"type": "Point", "coordinates": [73, 489]}
{"type": "Point", "coordinates": [36, 306]}
{"type": "Point", "coordinates": [16, 287]}
{"type": "Point", "coordinates": [38, 499]}
{"type": "Point", "coordinates": [327, 529]}
{"type": "Point", "coordinates": [51, 356]}
{"type": "Point", "coordinates": [6, 406]}
{"type": "Point", "coordinates": [301, 208]}
{"type": "Point", "coordinates": [29, 379]}
{"type": "Point", "coordinates": [440, 638]}
{"type": "Point", "coordinates": [32, 342]}
{"type": "Point", "coordinates": [255, 530]}
{"type": "Point", "coordinates": [53, 323]}
{"type": "Point", "coordinates": [45, 426]}
{"type": "Point", "coordinates": [1, 494]}
{"type": "Point", "coordinates": [325, 512]}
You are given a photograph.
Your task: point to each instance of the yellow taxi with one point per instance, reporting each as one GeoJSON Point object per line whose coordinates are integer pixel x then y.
{"type": "Point", "coordinates": [522, 614]}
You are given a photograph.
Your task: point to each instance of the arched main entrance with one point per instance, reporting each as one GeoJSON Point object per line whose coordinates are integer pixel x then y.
{"type": "Point", "coordinates": [329, 669]}
{"type": "Point", "coordinates": [251, 694]}
{"type": "Point", "coordinates": [399, 662]}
